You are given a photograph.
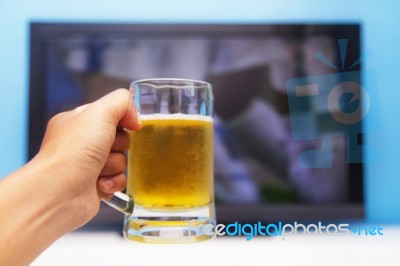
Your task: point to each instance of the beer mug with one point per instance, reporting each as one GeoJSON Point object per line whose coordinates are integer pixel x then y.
{"type": "Point", "coordinates": [170, 193]}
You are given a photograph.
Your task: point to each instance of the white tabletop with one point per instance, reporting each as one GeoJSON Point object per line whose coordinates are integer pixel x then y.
{"type": "Point", "coordinates": [109, 248]}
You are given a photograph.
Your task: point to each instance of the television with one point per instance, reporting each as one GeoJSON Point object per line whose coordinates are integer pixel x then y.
{"type": "Point", "coordinates": [281, 150]}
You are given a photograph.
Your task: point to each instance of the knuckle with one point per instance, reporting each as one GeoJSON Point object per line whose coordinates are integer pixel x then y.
{"type": "Point", "coordinates": [57, 119]}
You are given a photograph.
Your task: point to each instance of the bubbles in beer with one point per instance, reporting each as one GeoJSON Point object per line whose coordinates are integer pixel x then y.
{"type": "Point", "coordinates": [171, 161]}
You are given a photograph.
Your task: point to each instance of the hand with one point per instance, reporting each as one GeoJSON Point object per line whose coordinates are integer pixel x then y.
{"type": "Point", "coordinates": [81, 161]}
{"type": "Point", "coordinates": [89, 145]}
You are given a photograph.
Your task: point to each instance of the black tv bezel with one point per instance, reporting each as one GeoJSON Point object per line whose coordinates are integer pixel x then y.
{"type": "Point", "coordinates": [42, 31]}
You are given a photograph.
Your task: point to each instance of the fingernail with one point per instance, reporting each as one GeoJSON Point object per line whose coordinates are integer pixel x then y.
{"type": "Point", "coordinates": [139, 122]}
{"type": "Point", "coordinates": [108, 184]}
{"type": "Point", "coordinates": [140, 125]}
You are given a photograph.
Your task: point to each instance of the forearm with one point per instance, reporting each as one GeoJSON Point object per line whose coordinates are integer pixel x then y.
{"type": "Point", "coordinates": [33, 212]}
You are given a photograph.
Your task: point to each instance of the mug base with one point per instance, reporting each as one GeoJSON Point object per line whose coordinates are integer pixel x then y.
{"type": "Point", "coordinates": [170, 227]}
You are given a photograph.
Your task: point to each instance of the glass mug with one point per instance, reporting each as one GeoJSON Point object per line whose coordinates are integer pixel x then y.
{"type": "Point", "coordinates": [170, 192]}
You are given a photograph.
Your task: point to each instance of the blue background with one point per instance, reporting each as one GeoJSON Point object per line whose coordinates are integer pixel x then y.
{"type": "Point", "coordinates": [380, 35]}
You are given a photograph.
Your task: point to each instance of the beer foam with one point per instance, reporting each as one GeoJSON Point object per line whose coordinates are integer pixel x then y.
{"type": "Point", "coordinates": [177, 116]}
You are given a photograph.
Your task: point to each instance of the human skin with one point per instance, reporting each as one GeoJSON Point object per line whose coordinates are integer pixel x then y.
{"type": "Point", "coordinates": [81, 161]}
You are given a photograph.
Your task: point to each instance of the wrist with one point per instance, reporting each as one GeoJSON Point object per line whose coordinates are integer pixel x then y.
{"type": "Point", "coordinates": [72, 191]}
{"type": "Point", "coordinates": [57, 194]}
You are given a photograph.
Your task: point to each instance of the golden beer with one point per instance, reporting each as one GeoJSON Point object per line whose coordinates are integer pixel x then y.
{"type": "Point", "coordinates": [171, 162]}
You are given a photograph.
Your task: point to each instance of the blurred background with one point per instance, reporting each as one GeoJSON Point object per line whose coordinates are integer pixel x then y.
{"type": "Point", "coordinates": [378, 38]}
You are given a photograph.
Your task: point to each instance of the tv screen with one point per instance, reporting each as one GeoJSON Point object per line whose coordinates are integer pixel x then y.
{"type": "Point", "coordinates": [281, 150]}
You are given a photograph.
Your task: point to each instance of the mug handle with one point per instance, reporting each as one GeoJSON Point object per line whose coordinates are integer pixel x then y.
{"type": "Point", "coordinates": [121, 202]}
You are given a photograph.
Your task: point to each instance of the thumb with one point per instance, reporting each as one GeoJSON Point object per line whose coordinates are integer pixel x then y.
{"type": "Point", "coordinates": [118, 109]}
